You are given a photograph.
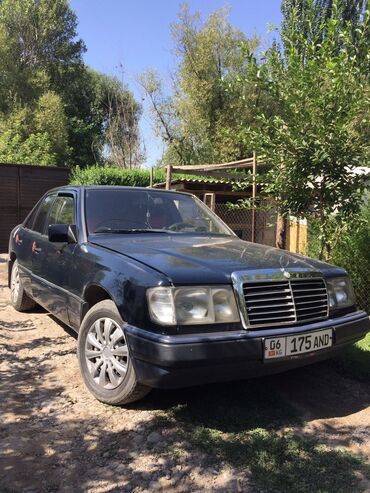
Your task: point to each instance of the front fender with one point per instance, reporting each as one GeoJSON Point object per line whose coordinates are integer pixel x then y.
{"type": "Point", "coordinates": [124, 279]}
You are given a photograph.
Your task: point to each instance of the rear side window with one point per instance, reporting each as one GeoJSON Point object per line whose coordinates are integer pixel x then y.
{"type": "Point", "coordinates": [62, 211]}
{"type": "Point", "coordinates": [42, 214]}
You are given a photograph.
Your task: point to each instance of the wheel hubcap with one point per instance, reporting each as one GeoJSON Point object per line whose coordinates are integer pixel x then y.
{"type": "Point", "coordinates": [15, 284]}
{"type": "Point", "coordinates": [106, 353]}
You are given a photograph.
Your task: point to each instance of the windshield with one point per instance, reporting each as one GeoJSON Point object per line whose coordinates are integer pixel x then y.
{"type": "Point", "coordinates": [141, 211]}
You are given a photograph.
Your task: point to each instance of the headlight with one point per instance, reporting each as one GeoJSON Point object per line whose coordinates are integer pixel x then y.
{"type": "Point", "coordinates": [340, 292]}
{"type": "Point", "coordinates": [193, 305]}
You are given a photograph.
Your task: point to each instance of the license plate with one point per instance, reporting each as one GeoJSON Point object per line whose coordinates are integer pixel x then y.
{"type": "Point", "coordinates": [280, 347]}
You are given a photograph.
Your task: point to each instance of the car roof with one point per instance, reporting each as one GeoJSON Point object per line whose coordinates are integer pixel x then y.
{"type": "Point", "coordinates": [113, 187]}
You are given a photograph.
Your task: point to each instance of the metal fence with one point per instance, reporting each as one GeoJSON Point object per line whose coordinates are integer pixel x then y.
{"type": "Point", "coordinates": [362, 290]}
{"type": "Point", "coordinates": [259, 227]}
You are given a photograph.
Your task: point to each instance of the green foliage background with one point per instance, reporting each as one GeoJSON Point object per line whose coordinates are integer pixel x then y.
{"type": "Point", "coordinates": [109, 175]}
{"type": "Point", "coordinates": [54, 110]}
{"type": "Point", "coordinates": [351, 252]}
{"type": "Point", "coordinates": [103, 175]}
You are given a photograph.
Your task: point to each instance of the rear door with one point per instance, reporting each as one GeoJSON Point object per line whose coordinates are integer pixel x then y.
{"type": "Point", "coordinates": [23, 238]}
{"type": "Point", "coordinates": [39, 244]}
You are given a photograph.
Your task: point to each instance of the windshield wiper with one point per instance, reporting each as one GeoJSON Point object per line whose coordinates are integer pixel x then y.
{"type": "Point", "coordinates": [131, 231]}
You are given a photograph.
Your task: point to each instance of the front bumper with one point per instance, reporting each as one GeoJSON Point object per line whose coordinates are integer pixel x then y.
{"type": "Point", "coordinates": [184, 360]}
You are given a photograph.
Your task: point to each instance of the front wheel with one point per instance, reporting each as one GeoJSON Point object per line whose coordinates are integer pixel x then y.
{"type": "Point", "coordinates": [104, 359]}
{"type": "Point", "coordinates": [19, 298]}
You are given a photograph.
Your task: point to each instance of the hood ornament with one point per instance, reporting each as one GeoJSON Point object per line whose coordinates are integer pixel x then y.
{"type": "Point", "coordinates": [284, 262]}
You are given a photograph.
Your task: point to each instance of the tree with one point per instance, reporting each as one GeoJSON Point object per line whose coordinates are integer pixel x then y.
{"type": "Point", "coordinates": [20, 142]}
{"type": "Point", "coordinates": [39, 58]}
{"type": "Point", "coordinates": [39, 40]}
{"type": "Point", "coordinates": [317, 12]}
{"type": "Point", "coordinates": [167, 123]}
{"type": "Point", "coordinates": [42, 73]}
{"type": "Point", "coordinates": [50, 118]}
{"type": "Point", "coordinates": [316, 143]}
{"type": "Point", "coordinates": [198, 122]}
{"type": "Point", "coordinates": [121, 114]}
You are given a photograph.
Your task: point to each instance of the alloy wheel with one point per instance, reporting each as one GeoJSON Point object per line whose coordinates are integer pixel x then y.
{"type": "Point", "coordinates": [15, 283]}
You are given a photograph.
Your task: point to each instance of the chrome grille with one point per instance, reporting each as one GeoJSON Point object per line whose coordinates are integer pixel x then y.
{"type": "Point", "coordinates": [278, 302]}
{"type": "Point", "coordinates": [310, 298]}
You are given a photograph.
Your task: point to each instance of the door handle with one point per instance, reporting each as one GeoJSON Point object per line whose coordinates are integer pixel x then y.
{"type": "Point", "coordinates": [35, 248]}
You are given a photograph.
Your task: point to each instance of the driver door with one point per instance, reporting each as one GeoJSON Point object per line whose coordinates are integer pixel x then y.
{"type": "Point", "coordinates": [57, 260]}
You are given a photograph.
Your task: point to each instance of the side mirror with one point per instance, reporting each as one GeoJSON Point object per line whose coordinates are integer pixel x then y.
{"type": "Point", "coordinates": [62, 233]}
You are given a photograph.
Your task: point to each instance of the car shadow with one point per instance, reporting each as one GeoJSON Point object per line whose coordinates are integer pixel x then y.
{"type": "Point", "coordinates": [47, 439]}
{"type": "Point", "coordinates": [318, 391]}
{"type": "Point", "coordinates": [64, 326]}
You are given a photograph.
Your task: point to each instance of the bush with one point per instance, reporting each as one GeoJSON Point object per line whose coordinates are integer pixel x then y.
{"type": "Point", "coordinates": [104, 175]}
{"type": "Point", "coordinates": [352, 253]}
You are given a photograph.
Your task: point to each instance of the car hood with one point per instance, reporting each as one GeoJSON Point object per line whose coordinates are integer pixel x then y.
{"type": "Point", "coordinates": [197, 259]}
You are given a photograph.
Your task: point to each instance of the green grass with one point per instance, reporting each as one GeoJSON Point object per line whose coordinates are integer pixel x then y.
{"type": "Point", "coordinates": [355, 362]}
{"type": "Point", "coordinates": [250, 426]}
{"type": "Point", "coordinates": [281, 462]}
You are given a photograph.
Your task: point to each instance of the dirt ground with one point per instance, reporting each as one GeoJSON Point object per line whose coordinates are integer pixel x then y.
{"type": "Point", "coordinates": [55, 437]}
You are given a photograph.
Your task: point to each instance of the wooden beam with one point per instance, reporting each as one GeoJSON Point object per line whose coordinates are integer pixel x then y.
{"type": "Point", "coordinates": [243, 163]}
{"type": "Point", "coordinates": [205, 168]}
{"type": "Point", "coordinates": [210, 200]}
{"type": "Point", "coordinates": [168, 177]}
{"type": "Point", "coordinates": [254, 195]}
{"type": "Point", "coordinates": [218, 193]}
{"type": "Point", "coordinates": [151, 177]}
{"type": "Point", "coordinates": [214, 174]}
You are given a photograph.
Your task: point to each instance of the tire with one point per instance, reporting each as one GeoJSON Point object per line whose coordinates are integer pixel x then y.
{"type": "Point", "coordinates": [105, 363]}
{"type": "Point", "coordinates": [19, 298]}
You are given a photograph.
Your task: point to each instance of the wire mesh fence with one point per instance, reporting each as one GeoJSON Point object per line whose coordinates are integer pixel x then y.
{"type": "Point", "coordinates": [362, 291]}
{"type": "Point", "coordinates": [259, 227]}
{"type": "Point", "coordinates": [241, 222]}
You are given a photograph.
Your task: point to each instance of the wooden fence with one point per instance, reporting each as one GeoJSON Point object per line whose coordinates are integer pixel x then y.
{"type": "Point", "coordinates": [21, 186]}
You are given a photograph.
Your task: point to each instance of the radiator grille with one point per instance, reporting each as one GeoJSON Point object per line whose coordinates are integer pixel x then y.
{"type": "Point", "coordinates": [285, 301]}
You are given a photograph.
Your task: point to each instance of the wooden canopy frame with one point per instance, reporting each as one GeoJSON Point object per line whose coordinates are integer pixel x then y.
{"type": "Point", "coordinates": [214, 170]}
{"type": "Point", "coordinates": [220, 171]}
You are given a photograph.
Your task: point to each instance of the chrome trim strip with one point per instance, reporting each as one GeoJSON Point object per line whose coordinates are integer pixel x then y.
{"type": "Point", "coordinates": [245, 335]}
{"type": "Point", "coordinates": [240, 278]}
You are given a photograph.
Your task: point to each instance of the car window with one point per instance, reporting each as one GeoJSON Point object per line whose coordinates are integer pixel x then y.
{"type": "Point", "coordinates": [129, 209]}
{"type": "Point", "coordinates": [62, 211]}
{"type": "Point", "coordinates": [42, 213]}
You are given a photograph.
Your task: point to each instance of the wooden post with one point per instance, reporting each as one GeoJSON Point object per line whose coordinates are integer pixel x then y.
{"type": "Point", "coordinates": [281, 230]}
{"type": "Point", "coordinates": [254, 195]}
{"type": "Point", "coordinates": [168, 177]}
{"type": "Point", "coordinates": [282, 223]}
{"type": "Point", "coordinates": [151, 177]}
{"type": "Point", "coordinates": [210, 200]}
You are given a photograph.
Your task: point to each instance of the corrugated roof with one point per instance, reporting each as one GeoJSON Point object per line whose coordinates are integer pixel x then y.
{"type": "Point", "coordinates": [206, 179]}
{"type": "Point", "coordinates": [198, 179]}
